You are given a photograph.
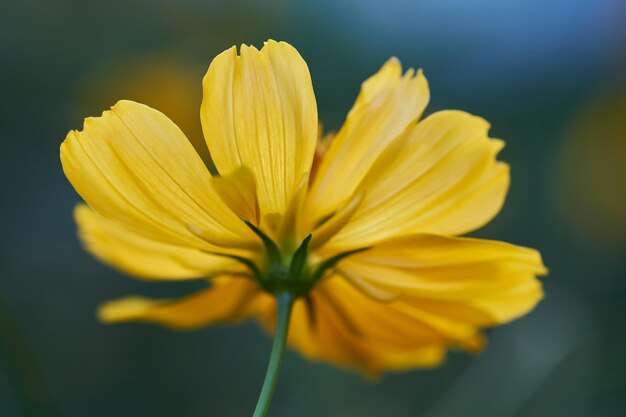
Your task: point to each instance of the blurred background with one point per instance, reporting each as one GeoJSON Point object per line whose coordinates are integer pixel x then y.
{"type": "Point", "coordinates": [550, 75]}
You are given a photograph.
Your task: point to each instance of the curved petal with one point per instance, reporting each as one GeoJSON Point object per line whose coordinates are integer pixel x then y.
{"type": "Point", "coordinates": [343, 326]}
{"type": "Point", "coordinates": [227, 300]}
{"type": "Point", "coordinates": [388, 103]}
{"type": "Point", "coordinates": [335, 223]}
{"type": "Point", "coordinates": [487, 309]}
{"type": "Point", "coordinates": [259, 111]}
{"type": "Point", "coordinates": [238, 191]}
{"type": "Point", "coordinates": [133, 165]}
{"type": "Point", "coordinates": [474, 281]}
{"type": "Point", "coordinates": [440, 177]}
{"type": "Point", "coordinates": [142, 257]}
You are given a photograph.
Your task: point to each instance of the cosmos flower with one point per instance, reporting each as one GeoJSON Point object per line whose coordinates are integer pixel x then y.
{"type": "Point", "coordinates": [358, 232]}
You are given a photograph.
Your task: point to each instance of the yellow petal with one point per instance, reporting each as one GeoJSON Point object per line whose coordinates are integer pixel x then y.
{"type": "Point", "coordinates": [343, 326]}
{"type": "Point", "coordinates": [238, 191]}
{"type": "Point", "coordinates": [259, 111]}
{"type": "Point", "coordinates": [134, 166]}
{"type": "Point", "coordinates": [482, 282]}
{"type": "Point", "coordinates": [227, 300]}
{"type": "Point", "coordinates": [288, 233]}
{"type": "Point", "coordinates": [370, 289]}
{"type": "Point", "coordinates": [332, 226]}
{"type": "Point", "coordinates": [142, 257]}
{"type": "Point", "coordinates": [441, 176]}
{"type": "Point", "coordinates": [487, 309]}
{"type": "Point", "coordinates": [388, 103]}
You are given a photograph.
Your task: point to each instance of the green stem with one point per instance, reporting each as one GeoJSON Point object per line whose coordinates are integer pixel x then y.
{"type": "Point", "coordinates": [284, 303]}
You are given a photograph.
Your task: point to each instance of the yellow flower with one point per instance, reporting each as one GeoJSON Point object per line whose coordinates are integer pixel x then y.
{"type": "Point", "coordinates": [368, 244]}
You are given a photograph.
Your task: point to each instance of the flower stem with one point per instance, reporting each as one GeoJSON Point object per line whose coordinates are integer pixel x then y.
{"type": "Point", "coordinates": [284, 303]}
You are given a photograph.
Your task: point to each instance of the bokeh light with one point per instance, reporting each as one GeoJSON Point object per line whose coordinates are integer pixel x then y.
{"type": "Point", "coordinates": [548, 75]}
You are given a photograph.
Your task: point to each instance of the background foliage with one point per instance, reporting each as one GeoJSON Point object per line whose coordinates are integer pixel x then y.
{"type": "Point", "coordinates": [549, 75]}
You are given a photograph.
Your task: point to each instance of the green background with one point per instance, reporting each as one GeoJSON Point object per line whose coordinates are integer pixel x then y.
{"type": "Point", "coordinates": [549, 75]}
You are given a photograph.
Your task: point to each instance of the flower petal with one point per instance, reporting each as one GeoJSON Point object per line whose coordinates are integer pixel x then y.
{"type": "Point", "coordinates": [441, 176]}
{"type": "Point", "coordinates": [482, 282]}
{"type": "Point", "coordinates": [238, 191]}
{"type": "Point", "coordinates": [437, 292]}
{"type": "Point", "coordinates": [142, 257]}
{"type": "Point", "coordinates": [287, 228]}
{"type": "Point", "coordinates": [133, 165]}
{"type": "Point", "coordinates": [335, 223]}
{"type": "Point", "coordinates": [259, 111]}
{"type": "Point", "coordinates": [388, 103]}
{"type": "Point", "coordinates": [343, 326]}
{"type": "Point", "coordinates": [227, 300]}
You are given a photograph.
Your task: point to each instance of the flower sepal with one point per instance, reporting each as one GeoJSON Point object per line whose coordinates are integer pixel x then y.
{"type": "Point", "coordinates": [290, 272]}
